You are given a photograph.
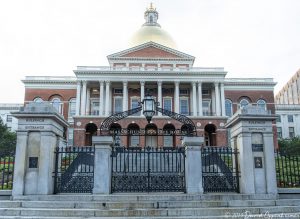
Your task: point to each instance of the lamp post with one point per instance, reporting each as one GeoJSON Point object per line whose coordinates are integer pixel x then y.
{"type": "Point", "coordinates": [148, 107]}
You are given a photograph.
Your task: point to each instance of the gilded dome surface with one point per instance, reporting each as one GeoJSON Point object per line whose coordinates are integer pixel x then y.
{"type": "Point", "coordinates": [151, 31]}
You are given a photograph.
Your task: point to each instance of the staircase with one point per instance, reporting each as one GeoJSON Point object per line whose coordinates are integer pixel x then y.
{"type": "Point", "coordinates": [158, 206]}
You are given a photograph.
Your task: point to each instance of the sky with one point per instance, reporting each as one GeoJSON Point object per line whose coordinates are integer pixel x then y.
{"type": "Point", "coordinates": [249, 38]}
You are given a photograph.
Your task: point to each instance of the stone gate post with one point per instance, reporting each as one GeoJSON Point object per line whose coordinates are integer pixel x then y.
{"type": "Point", "coordinates": [40, 130]}
{"type": "Point", "coordinates": [102, 164]}
{"type": "Point", "coordinates": [251, 133]}
{"type": "Point", "coordinates": [193, 164]}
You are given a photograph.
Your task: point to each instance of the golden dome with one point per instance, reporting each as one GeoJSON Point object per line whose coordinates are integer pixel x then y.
{"type": "Point", "coordinates": [151, 31]}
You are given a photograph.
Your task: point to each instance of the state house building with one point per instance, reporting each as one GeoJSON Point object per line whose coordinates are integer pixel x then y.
{"type": "Point", "coordinates": [151, 65]}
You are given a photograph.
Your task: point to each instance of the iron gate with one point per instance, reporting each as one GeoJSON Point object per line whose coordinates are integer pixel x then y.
{"type": "Point", "coordinates": [149, 169]}
{"type": "Point", "coordinates": [74, 169]}
{"type": "Point", "coordinates": [220, 169]}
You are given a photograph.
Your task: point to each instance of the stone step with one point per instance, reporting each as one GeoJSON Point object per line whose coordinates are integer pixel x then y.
{"type": "Point", "coordinates": [183, 212]}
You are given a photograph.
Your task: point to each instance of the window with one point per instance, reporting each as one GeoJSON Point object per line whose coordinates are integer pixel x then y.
{"type": "Point", "coordinates": [118, 104]}
{"type": "Point", "coordinates": [135, 104]}
{"type": "Point", "coordinates": [70, 137]}
{"type": "Point", "coordinates": [57, 104]}
{"type": "Point", "coordinates": [228, 107]}
{"type": "Point", "coordinates": [38, 100]}
{"type": "Point", "coordinates": [118, 91]}
{"type": "Point", "coordinates": [290, 118]}
{"type": "Point", "coordinates": [206, 107]}
{"type": "Point", "coordinates": [278, 119]}
{"type": "Point", "coordinates": [205, 92]}
{"type": "Point", "coordinates": [184, 91]}
{"type": "Point", "coordinates": [94, 107]}
{"type": "Point", "coordinates": [72, 107]}
{"type": "Point", "coordinates": [261, 103]}
{"type": "Point", "coordinates": [243, 103]}
{"type": "Point", "coordinates": [279, 132]}
{"type": "Point", "coordinates": [291, 132]}
{"type": "Point", "coordinates": [9, 118]}
{"type": "Point", "coordinates": [167, 103]}
{"type": "Point", "coordinates": [184, 106]}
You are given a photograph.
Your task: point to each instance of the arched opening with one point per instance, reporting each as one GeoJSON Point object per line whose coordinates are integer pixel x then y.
{"type": "Point", "coordinates": [169, 135]}
{"type": "Point", "coordinates": [151, 135]}
{"type": "Point", "coordinates": [90, 130]}
{"type": "Point", "coordinates": [210, 135]}
{"type": "Point", "coordinates": [115, 130]}
{"type": "Point", "coordinates": [133, 135]}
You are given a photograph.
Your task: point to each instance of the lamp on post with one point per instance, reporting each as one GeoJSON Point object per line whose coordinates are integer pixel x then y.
{"type": "Point", "coordinates": [148, 107]}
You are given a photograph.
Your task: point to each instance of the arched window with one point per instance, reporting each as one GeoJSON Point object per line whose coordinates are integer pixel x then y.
{"type": "Point", "coordinates": [57, 104]}
{"type": "Point", "coordinates": [133, 134]}
{"type": "Point", "coordinates": [262, 103]}
{"type": "Point", "coordinates": [244, 102]}
{"type": "Point", "coordinates": [72, 107]}
{"type": "Point", "coordinates": [169, 138]}
{"type": "Point", "coordinates": [228, 107]}
{"type": "Point", "coordinates": [38, 100]}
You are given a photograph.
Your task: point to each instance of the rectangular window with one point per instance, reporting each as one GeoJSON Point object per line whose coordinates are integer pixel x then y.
{"type": "Point", "coordinates": [184, 91]}
{"type": "Point", "coordinates": [118, 104]}
{"type": "Point", "coordinates": [184, 106]}
{"type": "Point", "coordinates": [279, 132]}
{"type": "Point", "coordinates": [134, 140]}
{"type": "Point", "coordinates": [72, 107]}
{"type": "Point", "coordinates": [205, 92]}
{"type": "Point", "coordinates": [206, 107]}
{"type": "Point", "coordinates": [70, 137]}
{"type": "Point", "coordinates": [9, 118]}
{"type": "Point", "coordinates": [118, 91]}
{"type": "Point", "coordinates": [95, 107]}
{"type": "Point", "coordinates": [167, 103]}
{"type": "Point", "coordinates": [135, 104]}
{"type": "Point", "coordinates": [278, 119]}
{"type": "Point", "coordinates": [291, 132]}
{"type": "Point", "coordinates": [290, 118]}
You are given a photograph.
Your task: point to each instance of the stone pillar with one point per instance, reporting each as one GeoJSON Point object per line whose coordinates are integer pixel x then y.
{"type": "Point", "coordinates": [107, 100]}
{"type": "Point", "coordinates": [194, 99]}
{"type": "Point", "coordinates": [200, 111]}
{"type": "Point", "coordinates": [101, 98]}
{"type": "Point", "coordinates": [142, 90]}
{"type": "Point", "coordinates": [159, 95]}
{"type": "Point", "coordinates": [40, 130]}
{"type": "Point", "coordinates": [223, 99]}
{"type": "Point", "coordinates": [125, 96]}
{"type": "Point", "coordinates": [102, 165]}
{"type": "Point", "coordinates": [78, 92]}
{"type": "Point", "coordinates": [252, 127]}
{"type": "Point", "coordinates": [176, 97]}
{"type": "Point", "coordinates": [217, 93]}
{"type": "Point", "coordinates": [193, 164]}
{"type": "Point", "coordinates": [83, 99]}
{"type": "Point", "coordinates": [88, 98]}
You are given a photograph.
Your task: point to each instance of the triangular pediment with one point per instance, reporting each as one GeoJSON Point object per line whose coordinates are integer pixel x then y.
{"type": "Point", "coordinates": [151, 50]}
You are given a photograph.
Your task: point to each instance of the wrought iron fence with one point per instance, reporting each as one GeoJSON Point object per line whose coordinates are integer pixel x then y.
{"type": "Point", "coordinates": [7, 161]}
{"type": "Point", "coordinates": [287, 170]}
{"type": "Point", "coordinates": [220, 169]}
{"type": "Point", "coordinates": [74, 169]}
{"type": "Point", "coordinates": [149, 169]}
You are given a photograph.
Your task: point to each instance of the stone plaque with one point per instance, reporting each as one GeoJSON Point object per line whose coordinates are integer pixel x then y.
{"type": "Point", "coordinates": [258, 147]}
{"type": "Point", "coordinates": [33, 162]}
{"type": "Point", "coordinates": [258, 162]}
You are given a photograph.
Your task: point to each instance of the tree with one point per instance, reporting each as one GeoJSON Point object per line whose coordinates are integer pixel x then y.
{"type": "Point", "coordinates": [8, 139]}
{"type": "Point", "coordinates": [290, 146]}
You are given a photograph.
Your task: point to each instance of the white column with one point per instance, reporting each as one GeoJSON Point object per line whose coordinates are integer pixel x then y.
{"type": "Point", "coordinates": [159, 94]}
{"type": "Point", "coordinates": [194, 99]}
{"type": "Point", "coordinates": [176, 97]}
{"type": "Point", "coordinates": [223, 100]}
{"type": "Point", "coordinates": [142, 90]}
{"type": "Point", "coordinates": [200, 98]}
{"type": "Point", "coordinates": [88, 101]}
{"type": "Point", "coordinates": [78, 91]}
{"type": "Point", "coordinates": [217, 92]}
{"type": "Point", "coordinates": [125, 96]}
{"type": "Point", "coordinates": [83, 100]}
{"type": "Point", "coordinates": [101, 98]}
{"type": "Point", "coordinates": [107, 90]}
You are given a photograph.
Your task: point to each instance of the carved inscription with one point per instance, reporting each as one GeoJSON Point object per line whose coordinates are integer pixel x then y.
{"type": "Point", "coordinates": [35, 120]}
{"type": "Point", "coordinates": [257, 122]}
{"type": "Point", "coordinates": [35, 127]}
{"type": "Point", "coordinates": [257, 129]}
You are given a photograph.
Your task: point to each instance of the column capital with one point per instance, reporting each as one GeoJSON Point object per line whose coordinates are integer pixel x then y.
{"type": "Point", "coordinates": [142, 83]}
{"type": "Point", "coordinates": [216, 84]}
{"type": "Point", "coordinates": [125, 83]}
{"type": "Point", "coordinates": [159, 83]}
{"type": "Point", "coordinates": [84, 82]}
{"type": "Point", "coordinates": [107, 82]}
{"type": "Point", "coordinates": [78, 82]}
{"type": "Point", "coordinates": [101, 82]}
{"type": "Point", "coordinates": [194, 83]}
{"type": "Point", "coordinates": [176, 83]}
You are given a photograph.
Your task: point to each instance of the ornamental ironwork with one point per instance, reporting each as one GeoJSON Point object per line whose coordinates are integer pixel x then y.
{"type": "Point", "coordinates": [149, 169]}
